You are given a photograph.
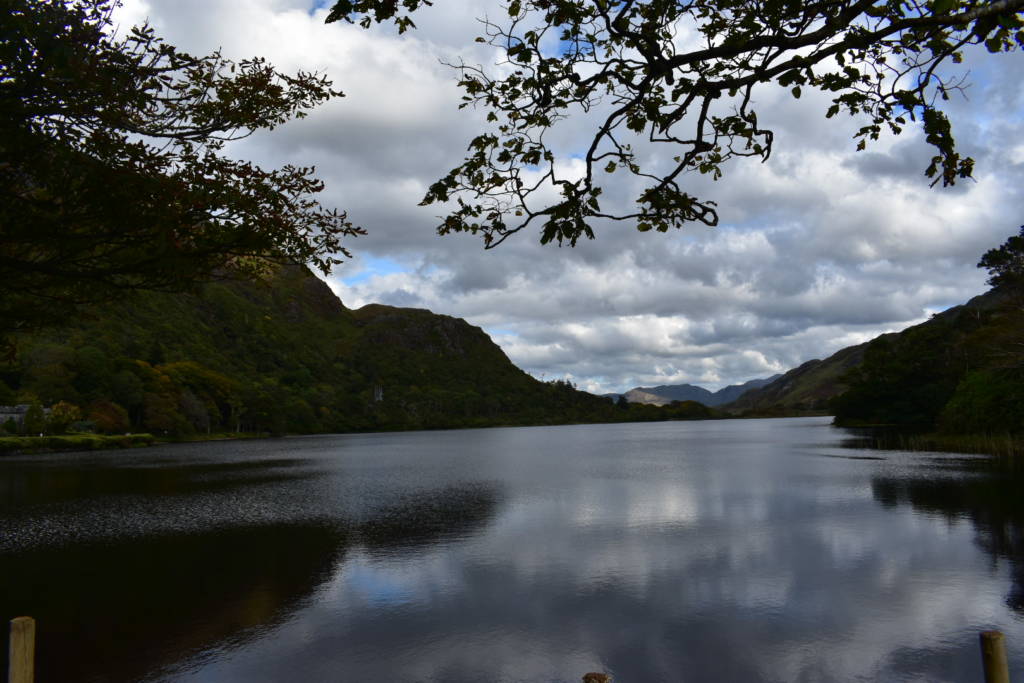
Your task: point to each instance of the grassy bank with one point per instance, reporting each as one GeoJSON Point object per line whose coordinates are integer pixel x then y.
{"type": "Point", "coordinates": [992, 444]}
{"type": "Point", "coordinates": [213, 436]}
{"type": "Point", "coordinates": [71, 442]}
{"type": "Point", "coordinates": [987, 444]}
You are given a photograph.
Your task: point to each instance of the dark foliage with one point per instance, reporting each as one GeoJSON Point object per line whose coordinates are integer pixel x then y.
{"type": "Point", "coordinates": [961, 372]}
{"type": "Point", "coordinates": [1005, 264]}
{"type": "Point", "coordinates": [284, 355]}
{"type": "Point", "coordinates": [111, 176]}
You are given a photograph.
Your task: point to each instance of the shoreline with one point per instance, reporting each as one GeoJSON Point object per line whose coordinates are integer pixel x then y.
{"type": "Point", "coordinates": [995, 445]}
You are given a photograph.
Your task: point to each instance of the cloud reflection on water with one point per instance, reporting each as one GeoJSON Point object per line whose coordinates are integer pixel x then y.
{"type": "Point", "coordinates": [783, 557]}
{"type": "Point", "coordinates": [732, 550]}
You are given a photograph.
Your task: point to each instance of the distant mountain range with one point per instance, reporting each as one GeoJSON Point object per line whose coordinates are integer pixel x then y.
{"type": "Point", "coordinates": [667, 393]}
{"type": "Point", "coordinates": [960, 372]}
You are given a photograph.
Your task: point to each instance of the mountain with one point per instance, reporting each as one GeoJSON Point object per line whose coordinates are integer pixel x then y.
{"type": "Point", "coordinates": [666, 393]}
{"type": "Point", "coordinates": [281, 355]}
{"type": "Point", "coordinates": [805, 390]}
{"type": "Point", "coordinates": [960, 372]}
{"type": "Point", "coordinates": [731, 393]}
{"type": "Point", "coordinates": [285, 355]}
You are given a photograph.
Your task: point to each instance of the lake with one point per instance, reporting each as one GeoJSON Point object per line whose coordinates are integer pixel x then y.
{"type": "Point", "coordinates": [738, 550]}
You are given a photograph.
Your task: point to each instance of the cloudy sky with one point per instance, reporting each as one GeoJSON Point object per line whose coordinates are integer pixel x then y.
{"type": "Point", "coordinates": [820, 248]}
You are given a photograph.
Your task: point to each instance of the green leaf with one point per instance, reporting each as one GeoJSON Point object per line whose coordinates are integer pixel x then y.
{"type": "Point", "coordinates": [610, 168]}
{"type": "Point", "coordinates": [643, 227]}
{"type": "Point", "coordinates": [796, 92]}
{"type": "Point", "coordinates": [514, 7]}
{"type": "Point", "coordinates": [943, 6]}
{"type": "Point", "coordinates": [1010, 21]}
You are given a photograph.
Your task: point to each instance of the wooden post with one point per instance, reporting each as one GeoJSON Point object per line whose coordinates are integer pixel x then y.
{"type": "Point", "coordinates": [993, 657]}
{"type": "Point", "coordinates": [23, 650]}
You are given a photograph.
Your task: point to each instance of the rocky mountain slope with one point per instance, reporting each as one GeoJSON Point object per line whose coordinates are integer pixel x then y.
{"type": "Point", "coordinates": [666, 393]}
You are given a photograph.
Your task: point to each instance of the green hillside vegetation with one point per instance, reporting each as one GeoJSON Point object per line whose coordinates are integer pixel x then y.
{"type": "Point", "coordinates": [805, 390]}
{"type": "Point", "coordinates": [954, 382]}
{"type": "Point", "coordinates": [283, 355]}
{"type": "Point", "coordinates": [962, 372]}
{"type": "Point", "coordinates": [959, 376]}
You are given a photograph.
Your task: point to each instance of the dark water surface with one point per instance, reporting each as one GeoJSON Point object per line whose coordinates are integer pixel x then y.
{"type": "Point", "coordinates": [756, 550]}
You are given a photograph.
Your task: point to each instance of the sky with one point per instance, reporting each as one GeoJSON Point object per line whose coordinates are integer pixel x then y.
{"type": "Point", "coordinates": [820, 248]}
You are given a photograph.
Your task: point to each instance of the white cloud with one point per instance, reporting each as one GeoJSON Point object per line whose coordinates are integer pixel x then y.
{"type": "Point", "coordinates": [819, 248]}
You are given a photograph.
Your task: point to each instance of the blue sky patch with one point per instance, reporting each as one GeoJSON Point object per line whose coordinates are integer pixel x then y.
{"type": "Point", "coordinates": [371, 266]}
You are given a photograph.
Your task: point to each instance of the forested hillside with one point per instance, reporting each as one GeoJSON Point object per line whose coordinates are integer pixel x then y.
{"type": "Point", "coordinates": [284, 355]}
{"type": "Point", "coordinates": [804, 390]}
{"type": "Point", "coordinates": [962, 372]}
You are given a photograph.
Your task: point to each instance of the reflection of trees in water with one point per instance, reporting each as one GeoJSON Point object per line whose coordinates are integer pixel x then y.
{"type": "Point", "coordinates": [880, 437]}
{"type": "Point", "coordinates": [21, 487]}
{"type": "Point", "coordinates": [121, 610]}
{"type": "Point", "coordinates": [990, 495]}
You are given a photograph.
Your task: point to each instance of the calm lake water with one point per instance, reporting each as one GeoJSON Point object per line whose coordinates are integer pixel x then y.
{"type": "Point", "coordinates": [746, 550]}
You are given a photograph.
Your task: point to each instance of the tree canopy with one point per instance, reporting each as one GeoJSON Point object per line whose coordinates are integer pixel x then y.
{"type": "Point", "coordinates": [1005, 264]}
{"type": "Point", "coordinates": [684, 75]}
{"type": "Point", "coordinates": [113, 175]}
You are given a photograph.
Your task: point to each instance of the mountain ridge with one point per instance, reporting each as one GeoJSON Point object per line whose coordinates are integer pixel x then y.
{"type": "Point", "coordinates": [665, 394]}
{"type": "Point", "coordinates": [959, 372]}
{"type": "Point", "coordinates": [285, 355]}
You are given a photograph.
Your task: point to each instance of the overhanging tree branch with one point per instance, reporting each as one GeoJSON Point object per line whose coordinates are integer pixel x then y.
{"type": "Point", "coordinates": [879, 59]}
{"type": "Point", "coordinates": [111, 171]}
